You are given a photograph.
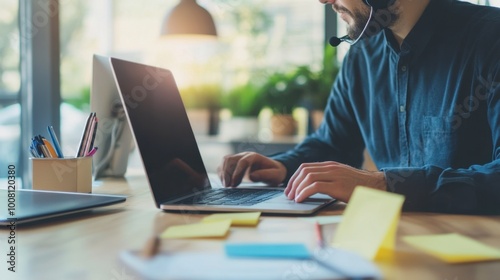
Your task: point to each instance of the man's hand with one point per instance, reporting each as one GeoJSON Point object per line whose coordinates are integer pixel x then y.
{"type": "Point", "coordinates": [259, 168]}
{"type": "Point", "coordinates": [332, 178]}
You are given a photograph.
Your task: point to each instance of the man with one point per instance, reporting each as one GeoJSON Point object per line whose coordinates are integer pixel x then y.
{"type": "Point", "coordinates": [422, 95]}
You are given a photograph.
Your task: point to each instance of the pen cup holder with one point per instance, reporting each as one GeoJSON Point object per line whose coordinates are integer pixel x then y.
{"type": "Point", "coordinates": [62, 174]}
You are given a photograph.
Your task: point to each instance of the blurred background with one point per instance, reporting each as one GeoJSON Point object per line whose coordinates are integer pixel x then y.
{"type": "Point", "coordinates": [258, 81]}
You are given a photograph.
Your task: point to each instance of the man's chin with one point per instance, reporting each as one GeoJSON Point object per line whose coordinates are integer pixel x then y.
{"type": "Point", "coordinates": [353, 35]}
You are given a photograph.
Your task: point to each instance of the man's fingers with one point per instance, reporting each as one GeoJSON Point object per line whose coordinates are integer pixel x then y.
{"type": "Point", "coordinates": [260, 168]}
{"type": "Point", "coordinates": [265, 175]}
{"type": "Point", "coordinates": [234, 168]}
{"type": "Point", "coordinates": [290, 185]}
{"type": "Point", "coordinates": [314, 188]}
{"type": "Point", "coordinates": [228, 169]}
{"type": "Point", "coordinates": [312, 178]}
{"type": "Point", "coordinates": [296, 177]}
{"type": "Point", "coordinates": [240, 169]}
{"type": "Point", "coordinates": [308, 174]}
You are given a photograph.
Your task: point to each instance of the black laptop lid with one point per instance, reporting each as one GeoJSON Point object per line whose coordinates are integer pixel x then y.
{"type": "Point", "coordinates": [161, 129]}
{"type": "Point", "coordinates": [31, 205]}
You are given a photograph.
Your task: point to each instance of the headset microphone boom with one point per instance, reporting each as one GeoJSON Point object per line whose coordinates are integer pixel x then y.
{"type": "Point", "coordinates": [374, 6]}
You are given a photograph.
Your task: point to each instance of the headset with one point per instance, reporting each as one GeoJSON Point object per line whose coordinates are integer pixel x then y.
{"type": "Point", "coordinates": [374, 6]}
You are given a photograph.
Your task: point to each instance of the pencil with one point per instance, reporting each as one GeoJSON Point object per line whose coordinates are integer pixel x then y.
{"type": "Point", "coordinates": [50, 148]}
{"type": "Point", "coordinates": [319, 235]}
{"type": "Point", "coordinates": [151, 247]}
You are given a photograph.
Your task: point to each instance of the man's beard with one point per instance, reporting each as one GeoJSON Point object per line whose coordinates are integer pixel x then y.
{"type": "Point", "coordinates": [361, 18]}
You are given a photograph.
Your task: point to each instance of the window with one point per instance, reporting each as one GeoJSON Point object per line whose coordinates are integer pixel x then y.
{"type": "Point", "coordinates": [9, 86]}
{"type": "Point", "coordinates": [255, 36]}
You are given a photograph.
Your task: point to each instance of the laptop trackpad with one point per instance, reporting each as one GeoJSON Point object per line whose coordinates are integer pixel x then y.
{"type": "Point", "coordinates": [316, 199]}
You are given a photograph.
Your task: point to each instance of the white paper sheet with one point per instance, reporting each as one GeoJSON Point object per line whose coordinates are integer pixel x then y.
{"type": "Point", "coordinates": [327, 264]}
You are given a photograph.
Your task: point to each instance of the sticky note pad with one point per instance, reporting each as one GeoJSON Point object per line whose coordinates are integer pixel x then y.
{"type": "Point", "coordinates": [237, 219]}
{"type": "Point", "coordinates": [453, 247]}
{"type": "Point", "coordinates": [273, 250]}
{"type": "Point", "coordinates": [215, 229]}
{"type": "Point", "coordinates": [369, 223]}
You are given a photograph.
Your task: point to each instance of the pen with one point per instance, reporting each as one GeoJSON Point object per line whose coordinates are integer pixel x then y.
{"type": "Point", "coordinates": [94, 132]}
{"type": "Point", "coordinates": [34, 148]}
{"type": "Point", "coordinates": [52, 151]}
{"type": "Point", "coordinates": [151, 247]}
{"type": "Point", "coordinates": [55, 141]}
{"type": "Point", "coordinates": [44, 150]}
{"type": "Point", "coordinates": [319, 235]}
{"type": "Point", "coordinates": [90, 135]}
{"type": "Point", "coordinates": [81, 146]}
{"type": "Point", "coordinates": [33, 152]}
{"type": "Point", "coordinates": [92, 152]}
{"type": "Point", "coordinates": [40, 147]}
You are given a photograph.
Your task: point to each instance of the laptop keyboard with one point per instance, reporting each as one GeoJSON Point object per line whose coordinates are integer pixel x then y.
{"type": "Point", "coordinates": [243, 197]}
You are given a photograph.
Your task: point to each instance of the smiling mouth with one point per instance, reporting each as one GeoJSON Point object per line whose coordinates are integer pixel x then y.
{"type": "Point", "coordinates": [343, 16]}
{"type": "Point", "coordinates": [343, 13]}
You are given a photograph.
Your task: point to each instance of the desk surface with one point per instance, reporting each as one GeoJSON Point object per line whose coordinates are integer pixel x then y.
{"type": "Point", "coordinates": [87, 245]}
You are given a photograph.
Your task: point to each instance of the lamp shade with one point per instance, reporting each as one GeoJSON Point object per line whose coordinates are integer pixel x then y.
{"type": "Point", "coordinates": [188, 18]}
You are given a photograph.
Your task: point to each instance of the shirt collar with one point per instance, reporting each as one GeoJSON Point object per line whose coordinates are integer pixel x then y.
{"type": "Point", "coordinates": [424, 29]}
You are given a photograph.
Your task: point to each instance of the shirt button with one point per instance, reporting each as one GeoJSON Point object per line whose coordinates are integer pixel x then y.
{"type": "Point", "coordinates": [403, 68]}
{"type": "Point", "coordinates": [401, 108]}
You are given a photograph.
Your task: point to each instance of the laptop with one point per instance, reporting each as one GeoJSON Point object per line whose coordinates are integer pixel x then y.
{"type": "Point", "coordinates": [34, 205]}
{"type": "Point", "coordinates": [170, 155]}
{"type": "Point", "coordinates": [115, 137]}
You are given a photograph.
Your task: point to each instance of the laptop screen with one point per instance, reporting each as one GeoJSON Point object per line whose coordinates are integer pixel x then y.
{"type": "Point", "coordinates": [162, 131]}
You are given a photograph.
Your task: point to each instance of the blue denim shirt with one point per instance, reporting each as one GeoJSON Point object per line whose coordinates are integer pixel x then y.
{"type": "Point", "coordinates": [427, 111]}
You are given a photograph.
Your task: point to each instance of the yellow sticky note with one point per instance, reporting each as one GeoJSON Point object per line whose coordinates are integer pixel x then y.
{"type": "Point", "coordinates": [369, 222]}
{"type": "Point", "coordinates": [237, 219]}
{"type": "Point", "coordinates": [453, 247]}
{"type": "Point", "coordinates": [215, 229]}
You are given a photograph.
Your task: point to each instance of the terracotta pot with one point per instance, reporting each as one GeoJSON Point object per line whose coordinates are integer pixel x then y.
{"type": "Point", "coordinates": [283, 125]}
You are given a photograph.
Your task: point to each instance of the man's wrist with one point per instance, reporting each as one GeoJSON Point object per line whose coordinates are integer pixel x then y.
{"type": "Point", "coordinates": [380, 183]}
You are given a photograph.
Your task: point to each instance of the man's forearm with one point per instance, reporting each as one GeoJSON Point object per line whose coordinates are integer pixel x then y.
{"type": "Point", "coordinates": [468, 191]}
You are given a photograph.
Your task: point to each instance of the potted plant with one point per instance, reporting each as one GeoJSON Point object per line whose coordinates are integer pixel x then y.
{"type": "Point", "coordinates": [244, 103]}
{"type": "Point", "coordinates": [282, 93]}
{"type": "Point", "coordinates": [301, 87]}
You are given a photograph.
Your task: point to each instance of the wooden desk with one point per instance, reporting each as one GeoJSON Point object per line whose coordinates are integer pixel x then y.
{"type": "Point", "coordinates": [87, 245]}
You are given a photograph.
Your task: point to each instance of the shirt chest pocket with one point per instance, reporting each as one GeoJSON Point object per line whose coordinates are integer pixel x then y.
{"type": "Point", "coordinates": [439, 141]}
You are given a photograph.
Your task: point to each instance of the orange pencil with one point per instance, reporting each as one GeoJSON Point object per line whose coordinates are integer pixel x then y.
{"type": "Point", "coordinates": [50, 148]}
{"type": "Point", "coordinates": [319, 235]}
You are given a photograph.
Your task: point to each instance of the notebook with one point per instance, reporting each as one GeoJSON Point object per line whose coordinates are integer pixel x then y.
{"type": "Point", "coordinates": [170, 155]}
{"type": "Point", "coordinates": [33, 205]}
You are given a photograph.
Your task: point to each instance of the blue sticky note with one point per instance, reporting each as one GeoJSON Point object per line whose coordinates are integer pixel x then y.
{"type": "Point", "coordinates": [272, 250]}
